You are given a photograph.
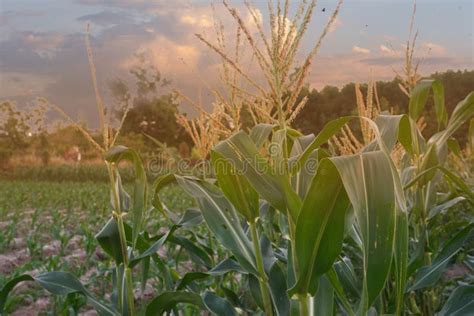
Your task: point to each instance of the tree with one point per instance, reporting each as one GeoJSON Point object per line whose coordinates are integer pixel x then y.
{"type": "Point", "coordinates": [150, 110]}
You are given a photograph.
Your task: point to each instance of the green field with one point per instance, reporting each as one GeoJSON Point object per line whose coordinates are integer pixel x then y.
{"type": "Point", "coordinates": [51, 226]}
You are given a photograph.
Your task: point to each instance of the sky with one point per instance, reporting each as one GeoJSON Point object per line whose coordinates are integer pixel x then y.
{"type": "Point", "coordinates": [42, 49]}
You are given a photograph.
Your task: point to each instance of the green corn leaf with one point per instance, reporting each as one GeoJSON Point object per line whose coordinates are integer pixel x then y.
{"type": "Point", "coordinates": [218, 305]}
{"type": "Point", "coordinates": [191, 217]}
{"type": "Point", "coordinates": [462, 113]}
{"type": "Point", "coordinates": [109, 239]}
{"type": "Point", "coordinates": [222, 219]}
{"type": "Point", "coordinates": [275, 188]}
{"type": "Point", "coordinates": [460, 302]}
{"type": "Point", "coordinates": [419, 97]}
{"type": "Point", "coordinates": [339, 291]}
{"type": "Point", "coordinates": [61, 283]}
{"type": "Point", "coordinates": [152, 249]}
{"type": "Point", "coordinates": [189, 278]}
{"type": "Point", "coordinates": [429, 160]}
{"type": "Point", "coordinates": [225, 266]}
{"type": "Point", "coordinates": [232, 297]}
{"type": "Point", "coordinates": [254, 287]}
{"type": "Point", "coordinates": [168, 300]}
{"type": "Point", "coordinates": [445, 206]}
{"type": "Point", "coordinates": [301, 180]}
{"type": "Point", "coordinates": [158, 184]}
{"type": "Point", "coordinates": [324, 299]}
{"type": "Point", "coordinates": [278, 290]}
{"type": "Point", "coordinates": [198, 255]}
{"type": "Point", "coordinates": [369, 184]}
{"type": "Point", "coordinates": [440, 107]}
{"type": "Point", "coordinates": [6, 289]}
{"type": "Point", "coordinates": [347, 276]}
{"type": "Point", "coordinates": [450, 176]}
{"type": "Point", "coordinates": [281, 145]}
{"type": "Point", "coordinates": [401, 259]}
{"type": "Point", "coordinates": [57, 283]}
{"type": "Point", "coordinates": [428, 275]}
{"type": "Point", "coordinates": [320, 228]}
{"type": "Point", "coordinates": [260, 133]}
{"type": "Point", "coordinates": [235, 187]}
{"type": "Point", "coordinates": [459, 182]}
{"type": "Point", "coordinates": [115, 155]}
{"type": "Point", "coordinates": [329, 130]}
{"type": "Point", "coordinates": [389, 127]}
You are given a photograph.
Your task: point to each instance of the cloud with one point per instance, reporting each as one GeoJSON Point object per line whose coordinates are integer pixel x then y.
{"type": "Point", "coordinates": [360, 50]}
{"type": "Point", "coordinates": [344, 68]}
{"type": "Point", "coordinates": [202, 20]}
{"type": "Point", "coordinates": [166, 55]}
{"type": "Point", "coordinates": [106, 18]}
{"type": "Point", "coordinates": [55, 64]}
{"type": "Point", "coordinates": [384, 49]}
{"type": "Point", "coordinates": [45, 44]}
{"type": "Point", "coordinates": [433, 49]}
{"type": "Point", "coordinates": [390, 52]}
{"type": "Point", "coordinates": [388, 37]}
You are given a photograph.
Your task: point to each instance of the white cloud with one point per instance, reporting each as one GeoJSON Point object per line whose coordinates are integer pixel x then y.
{"type": "Point", "coordinates": [389, 51]}
{"type": "Point", "coordinates": [434, 49]}
{"type": "Point", "coordinates": [360, 50]}
{"type": "Point", "coordinates": [385, 49]}
{"type": "Point", "coordinates": [202, 21]}
{"type": "Point", "coordinates": [166, 55]}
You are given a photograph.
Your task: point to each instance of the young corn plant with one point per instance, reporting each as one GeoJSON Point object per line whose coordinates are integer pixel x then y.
{"type": "Point", "coordinates": [118, 239]}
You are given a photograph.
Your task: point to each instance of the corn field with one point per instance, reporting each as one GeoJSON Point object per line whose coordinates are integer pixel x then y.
{"type": "Point", "coordinates": [283, 223]}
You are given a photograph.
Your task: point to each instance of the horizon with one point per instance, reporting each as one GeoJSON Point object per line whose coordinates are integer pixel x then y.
{"type": "Point", "coordinates": [45, 56]}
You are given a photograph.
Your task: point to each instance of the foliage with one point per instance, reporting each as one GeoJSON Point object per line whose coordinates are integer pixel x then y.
{"type": "Point", "coordinates": [295, 229]}
{"type": "Point", "coordinates": [284, 226]}
{"type": "Point", "coordinates": [332, 102]}
{"type": "Point", "coordinates": [64, 172]}
{"type": "Point", "coordinates": [155, 117]}
{"type": "Point", "coordinates": [16, 125]}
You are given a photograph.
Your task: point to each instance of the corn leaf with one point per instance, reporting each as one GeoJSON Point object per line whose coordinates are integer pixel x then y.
{"type": "Point", "coordinates": [460, 302]}
{"type": "Point", "coordinates": [368, 181]}
{"type": "Point", "coordinates": [218, 305]}
{"type": "Point", "coordinates": [57, 283]}
{"type": "Point", "coordinates": [428, 275]}
{"type": "Point", "coordinates": [222, 219]}
{"type": "Point", "coordinates": [115, 155]}
{"type": "Point", "coordinates": [320, 228]}
{"type": "Point", "coordinates": [275, 188]}
{"type": "Point", "coordinates": [235, 187]}
{"type": "Point", "coordinates": [168, 300]}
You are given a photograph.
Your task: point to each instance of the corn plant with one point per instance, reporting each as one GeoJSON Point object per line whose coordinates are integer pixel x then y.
{"type": "Point", "coordinates": [113, 237]}
{"type": "Point", "coordinates": [289, 215]}
{"type": "Point", "coordinates": [299, 230]}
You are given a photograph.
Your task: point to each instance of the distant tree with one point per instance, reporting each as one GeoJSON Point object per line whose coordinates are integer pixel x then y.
{"type": "Point", "coordinates": [150, 111]}
{"type": "Point", "coordinates": [155, 117]}
{"type": "Point", "coordinates": [14, 127]}
{"type": "Point", "coordinates": [332, 102]}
